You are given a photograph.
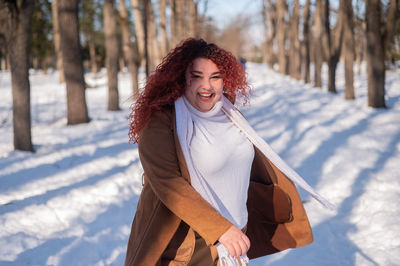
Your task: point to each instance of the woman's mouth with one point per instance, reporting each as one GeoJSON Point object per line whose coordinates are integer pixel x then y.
{"type": "Point", "coordinates": [205, 96]}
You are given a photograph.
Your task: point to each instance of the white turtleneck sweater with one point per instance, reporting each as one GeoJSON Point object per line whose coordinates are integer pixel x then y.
{"type": "Point", "coordinates": [223, 156]}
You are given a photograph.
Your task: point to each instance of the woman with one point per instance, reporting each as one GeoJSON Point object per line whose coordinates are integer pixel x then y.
{"type": "Point", "coordinates": [213, 190]}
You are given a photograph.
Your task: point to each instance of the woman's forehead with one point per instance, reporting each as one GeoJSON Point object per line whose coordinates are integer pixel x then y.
{"type": "Point", "coordinates": [203, 65]}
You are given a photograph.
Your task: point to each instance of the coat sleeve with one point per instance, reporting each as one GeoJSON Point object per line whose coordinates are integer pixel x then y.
{"type": "Point", "coordinates": [159, 159]}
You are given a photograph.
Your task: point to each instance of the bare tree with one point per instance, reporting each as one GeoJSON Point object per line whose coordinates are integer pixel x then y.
{"type": "Point", "coordinates": [72, 61]}
{"type": "Point", "coordinates": [348, 47]}
{"type": "Point", "coordinates": [3, 45]}
{"type": "Point", "coordinates": [192, 17]}
{"type": "Point", "coordinates": [294, 49]}
{"type": "Point", "coordinates": [269, 19]}
{"type": "Point", "coordinates": [164, 45]}
{"type": "Point", "coordinates": [139, 29]}
{"type": "Point", "coordinates": [334, 45]}
{"type": "Point", "coordinates": [56, 37]}
{"type": "Point", "coordinates": [392, 15]}
{"type": "Point", "coordinates": [281, 9]}
{"type": "Point", "coordinates": [359, 35]}
{"type": "Point", "coordinates": [112, 54]}
{"type": "Point", "coordinates": [378, 38]}
{"type": "Point", "coordinates": [18, 34]}
{"type": "Point", "coordinates": [318, 53]}
{"type": "Point", "coordinates": [177, 21]}
{"type": "Point", "coordinates": [153, 45]}
{"type": "Point", "coordinates": [3, 32]}
{"type": "Point", "coordinates": [87, 27]}
{"type": "Point", "coordinates": [129, 49]}
{"type": "Point", "coordinates": [306, 43]}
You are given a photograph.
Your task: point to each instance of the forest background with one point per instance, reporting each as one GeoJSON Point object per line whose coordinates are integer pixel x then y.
{"type": "Point", "coordinates": [75, 36]}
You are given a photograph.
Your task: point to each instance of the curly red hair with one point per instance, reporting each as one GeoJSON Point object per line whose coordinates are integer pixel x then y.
{"type": "Point", "coordinates": [167, 83]}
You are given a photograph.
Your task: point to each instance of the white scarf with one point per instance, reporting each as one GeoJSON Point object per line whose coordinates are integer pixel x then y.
{"type": "Point", "coordinates": [184, 126]}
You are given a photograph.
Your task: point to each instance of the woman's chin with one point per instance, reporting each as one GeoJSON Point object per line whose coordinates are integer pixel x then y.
{"type": "Point", "coordinates": [205, 107]}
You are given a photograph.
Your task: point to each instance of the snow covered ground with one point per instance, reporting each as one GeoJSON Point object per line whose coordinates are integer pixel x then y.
{"type": "Point", "coordinates": [72, 201]}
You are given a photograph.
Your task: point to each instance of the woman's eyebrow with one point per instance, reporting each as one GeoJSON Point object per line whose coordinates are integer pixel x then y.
{"type": "Point", "coordinates": [201, 73]}
{"type": "Point", "coordinates": [196, 72]}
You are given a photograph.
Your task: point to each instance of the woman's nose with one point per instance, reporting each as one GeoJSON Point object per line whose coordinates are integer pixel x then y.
{"type": "Point", "coordinates": [206, 84]}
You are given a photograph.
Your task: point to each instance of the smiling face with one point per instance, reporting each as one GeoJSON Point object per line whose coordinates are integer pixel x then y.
{"type": "Point", "coordinates": [204, 84]}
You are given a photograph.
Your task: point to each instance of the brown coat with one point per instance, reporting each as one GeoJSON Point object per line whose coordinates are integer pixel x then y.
{"type": "Point", "coordinates": [169, 209]}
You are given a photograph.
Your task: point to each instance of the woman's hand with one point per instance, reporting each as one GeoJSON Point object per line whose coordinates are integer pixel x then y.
{"type": "Point", "coordinates": [235, 241]}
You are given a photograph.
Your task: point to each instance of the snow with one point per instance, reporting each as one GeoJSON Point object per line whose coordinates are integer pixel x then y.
{"type": "Point", "coordinates": [73, 200]}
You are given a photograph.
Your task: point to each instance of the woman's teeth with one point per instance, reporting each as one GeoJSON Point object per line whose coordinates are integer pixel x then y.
{"type": "Point", "coordinates": [206, 95]}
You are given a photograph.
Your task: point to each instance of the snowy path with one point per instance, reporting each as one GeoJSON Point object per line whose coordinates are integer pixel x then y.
{"type": "Point", "coordinates": [72, 202]}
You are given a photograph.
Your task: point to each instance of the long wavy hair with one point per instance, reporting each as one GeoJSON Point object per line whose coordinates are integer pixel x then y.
{"type": "Point", "coordinates": [167, 83]}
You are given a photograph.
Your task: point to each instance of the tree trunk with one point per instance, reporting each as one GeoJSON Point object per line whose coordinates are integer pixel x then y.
{"type": "Point", "coordinates": [281, 35]}
{"type": "Point", "coordinates": [177, 21]}
{"type": "Point", "coordinates": [35, 63]}
{"type": "Point", "coordinates": [392, 14]}
{"type": "Point", "coordinates": [146, 37]}
{"type": "Point", "coordinates": [192, 12]}
{"type": "Point", "coordinates": [163, 27]}
{"type": "Point", "coordinates": [131, 56]}
{"type": "Point", "coordinates": [44, 65]}
{"type": "Point", "coordinates": [334, 46]}
{"type": "Point", "coordinates": [3, 64]}
{"type": "Point", "coordinates": [269, 17]}
{"type": "Point", "coordinates": [294, 50]}
{"type": "Point", "coordinates": [375, 55]}
{"type": "Point", "coordinates": [19, 27]}
{"type": "Point", "coordinates": [8, 62]}
{"type": "Point", "coordinates": [306, 43]}
{"type": "Point", "coordinates": [139, 29]}
{"type": "Point", "coordinates": [72, 62]}
{"type": "Point", "coordinates": [112, 54]}
{"type": "Point", "coordinates": [318, 44]}
{"type": "Point", "coordinates": [348, 47]}
{"type": "Point", "coordinates": [121, 62]}
{"type": "Point", "coordinates": [153, 45]}
{"type": "Point", "coordinates": [56, 36]}
{"type": "Point", "coordinates": [92, 53]}
{"type": "Point", "coordinates": [360, 42]}
{"type": "Point", "coordinates": [91, 38]}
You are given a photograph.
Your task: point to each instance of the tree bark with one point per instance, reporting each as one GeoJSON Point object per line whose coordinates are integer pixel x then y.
{"type": "Point", "coordinates": [56, 36]}
{"type": "Point", "coordinates": [281, 35]}
{"type": "Point", "coordinates": [306, 42]}
{"type": "Point", "coordinates": [294, 50]}
{"type": "Point", "coordinates": [153, 45]}
{"type": "Point", "coordinates": [91, 39]}
{"type": "Point", "coordinates": [192, 15]}
{"type": "Point", "coordinates": [375, 55]}
{"type": "Point", "coordinates": [348, 48]}
{"type": "Point", "coordinates": [112, 54]}
{"type": "Point", "coordinates": [18, 35]}
{"type": "Point", "coordinates": [392, 14]}
{"type": "Point", "coordinates": [139, 29]}
{"type": "Point", "coordinates": [318, 44]}
{"type": "Point", "coordinates": [130, 53]}
{"type": "Point", "coordinates": [359, 39]}
{"type": "Point", "coordinates": [72, 62]}
{"type": "Point", "coordinates": [334, 46]}
{"type": "Point", "coordinates": [177, 21]}
{"type": "Point", "coordinates": [164, 45]}
{"type": "Point", "coordinates": [92, 54]}
{"type": "Point", "coordinates": [269, 19]}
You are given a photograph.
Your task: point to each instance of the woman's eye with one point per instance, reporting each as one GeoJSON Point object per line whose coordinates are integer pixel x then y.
{"type": "Point", "coordinates": [216, 77]}
{"type": "Point", "coordinates": [196, 76]}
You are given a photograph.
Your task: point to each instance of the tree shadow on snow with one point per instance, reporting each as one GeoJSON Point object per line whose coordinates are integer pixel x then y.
{"type": "Point", "coordinates": [331, 243]}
